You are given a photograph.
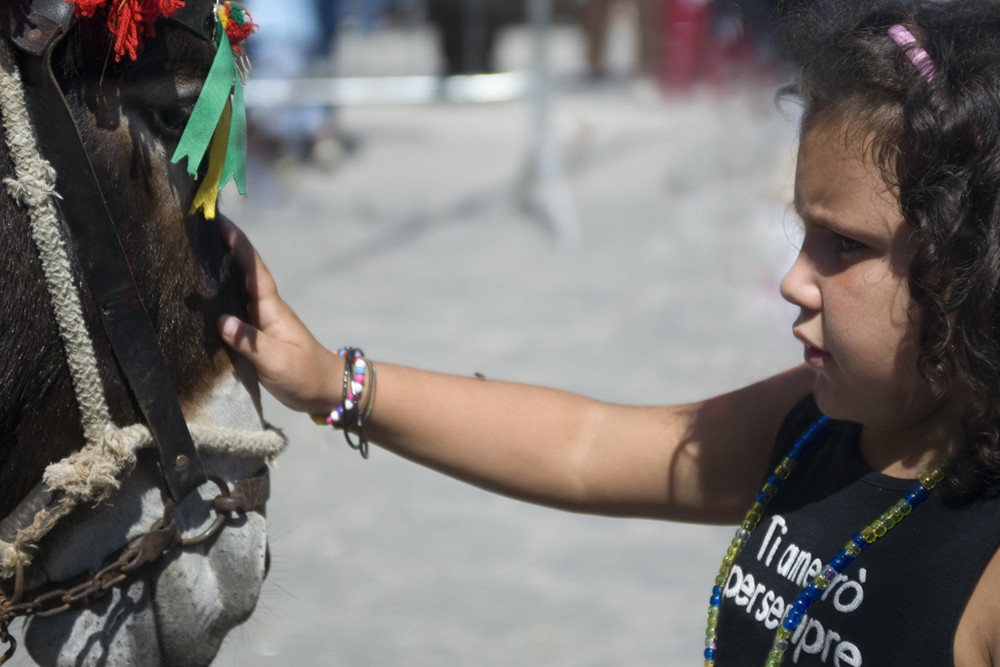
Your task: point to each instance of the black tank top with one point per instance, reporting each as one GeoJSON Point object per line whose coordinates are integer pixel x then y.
{"type": "Point", "coordinates": [899, 603]}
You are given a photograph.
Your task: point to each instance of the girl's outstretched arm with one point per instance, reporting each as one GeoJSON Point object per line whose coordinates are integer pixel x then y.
{"type": "Point", "coordinates": [700, 462]}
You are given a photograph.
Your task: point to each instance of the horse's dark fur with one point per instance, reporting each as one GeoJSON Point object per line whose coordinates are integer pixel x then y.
{"type": "Point", "coordinates": [130, 116]}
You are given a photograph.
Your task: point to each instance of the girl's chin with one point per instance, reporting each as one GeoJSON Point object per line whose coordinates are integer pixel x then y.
{"type": "Point", "coordinates": [831, 400]}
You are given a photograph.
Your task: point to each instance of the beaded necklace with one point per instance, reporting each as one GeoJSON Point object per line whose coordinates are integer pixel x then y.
{"type": "Point", "coordinates": [866, 536]}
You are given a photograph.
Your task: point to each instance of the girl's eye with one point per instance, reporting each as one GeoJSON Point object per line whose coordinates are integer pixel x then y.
{"type": "Point", "coordinates": [846, 245]}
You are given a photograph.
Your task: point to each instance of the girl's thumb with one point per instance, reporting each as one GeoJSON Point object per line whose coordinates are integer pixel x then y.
{"type": "Point", "coordinates": [237, 334]}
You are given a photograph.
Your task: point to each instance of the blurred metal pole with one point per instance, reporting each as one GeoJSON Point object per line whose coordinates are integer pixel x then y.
{"type": "Point", "coordinates": [474, 55]}
{"type": "Point", "coordinates": [544, 188]}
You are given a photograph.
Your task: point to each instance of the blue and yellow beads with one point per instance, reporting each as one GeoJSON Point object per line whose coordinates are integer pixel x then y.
{"type": "Point", "coordinates": [750, 521]}
{"type": "Point", "coordinates": [865, 537]}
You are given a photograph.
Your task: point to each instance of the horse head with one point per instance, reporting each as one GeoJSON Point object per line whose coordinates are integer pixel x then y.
{"type": "Point", "coordinates": [105, 442]}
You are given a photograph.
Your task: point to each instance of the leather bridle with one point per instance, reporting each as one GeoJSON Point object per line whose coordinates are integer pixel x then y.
{"type": "Point", "coordinates": [35, 28]}
{"type": "Point", "coordinates": [108, 277]}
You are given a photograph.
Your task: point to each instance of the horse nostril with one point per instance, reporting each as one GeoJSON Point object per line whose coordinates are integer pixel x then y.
{"type": "Point", "coordinates": [267, 559]}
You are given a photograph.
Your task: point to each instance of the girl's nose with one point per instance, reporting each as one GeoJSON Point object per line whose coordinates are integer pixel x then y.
{"type": "Point", "coordinates": [799, 286]}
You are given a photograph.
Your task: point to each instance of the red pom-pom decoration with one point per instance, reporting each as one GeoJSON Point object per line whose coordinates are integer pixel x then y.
{"type": "Point", "coordinates": [130, 21]}
{"type": "Point", "coordinates": [237, 23]}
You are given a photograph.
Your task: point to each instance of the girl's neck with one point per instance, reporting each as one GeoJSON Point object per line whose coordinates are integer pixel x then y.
{"type": "Point", "coordinates": [909, 452]}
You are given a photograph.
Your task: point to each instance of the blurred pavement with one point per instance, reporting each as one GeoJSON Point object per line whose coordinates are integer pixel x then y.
{"type": "Point", "coordinates": [415, 249]}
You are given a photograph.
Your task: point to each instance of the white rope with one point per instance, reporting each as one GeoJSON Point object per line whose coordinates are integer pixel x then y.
{"type": "Point", "coordinates": [93, 472]}
{"type": "Point", "coordinates": [33, 186]}
{"type": "Point", "coordinates": [79, 474]}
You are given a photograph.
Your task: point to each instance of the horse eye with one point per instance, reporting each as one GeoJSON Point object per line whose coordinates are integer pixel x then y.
{"type": "Point", "coordinates": [171, 119]}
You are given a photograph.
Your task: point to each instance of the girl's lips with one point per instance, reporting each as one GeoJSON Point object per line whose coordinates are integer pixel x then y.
{"type": "Point", "coordinates": [816, 357]}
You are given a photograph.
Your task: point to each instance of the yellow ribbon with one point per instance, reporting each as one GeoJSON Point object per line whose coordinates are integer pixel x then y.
{"type": "Point", "coordinates": [208, 191]}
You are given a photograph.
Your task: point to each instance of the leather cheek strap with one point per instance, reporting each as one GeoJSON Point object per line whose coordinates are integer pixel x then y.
{"type": "Point", "coordinates": [105, 268]}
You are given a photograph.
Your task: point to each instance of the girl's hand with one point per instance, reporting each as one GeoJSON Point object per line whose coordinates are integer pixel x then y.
{"type": "Point", "coordinates": [290, 362]}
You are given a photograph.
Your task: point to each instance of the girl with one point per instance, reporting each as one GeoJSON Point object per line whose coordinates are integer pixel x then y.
{"type": "Point", "coordinates": [873, 539]}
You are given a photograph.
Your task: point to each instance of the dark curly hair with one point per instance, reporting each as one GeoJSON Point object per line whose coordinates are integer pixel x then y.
{"type": "Point", "coordinates": [938, 142]}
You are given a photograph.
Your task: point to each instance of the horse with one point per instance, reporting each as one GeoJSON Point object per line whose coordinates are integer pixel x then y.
{"type": "Point", "coordinates": [132, 532]}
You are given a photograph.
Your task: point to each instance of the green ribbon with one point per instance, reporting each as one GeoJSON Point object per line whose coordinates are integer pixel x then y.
{"type": "Point", "coordinates": [236, 151]}
{"type": "Point", "coordinates": [222, 81]}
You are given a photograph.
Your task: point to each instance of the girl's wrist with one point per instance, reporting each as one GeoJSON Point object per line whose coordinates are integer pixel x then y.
{"type": "Point", "coordinates": [331, 383]}
{"type": "Point", "coordinates": [352, 388]}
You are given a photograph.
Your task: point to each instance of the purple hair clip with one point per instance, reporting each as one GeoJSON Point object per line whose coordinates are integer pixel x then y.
{"type": "Point", "coordinates": [918, 56]}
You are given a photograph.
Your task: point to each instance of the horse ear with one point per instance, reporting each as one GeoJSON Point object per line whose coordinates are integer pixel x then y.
{"type": "Point", "coordinates": [198, 16]}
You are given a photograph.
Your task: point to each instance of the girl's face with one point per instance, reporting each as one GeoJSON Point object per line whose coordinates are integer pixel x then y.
{"type": "Point", "coordinates": [849, 281]}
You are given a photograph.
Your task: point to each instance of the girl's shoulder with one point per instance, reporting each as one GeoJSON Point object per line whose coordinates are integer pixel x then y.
{"type": "Point", "coordinates": [977, 638]}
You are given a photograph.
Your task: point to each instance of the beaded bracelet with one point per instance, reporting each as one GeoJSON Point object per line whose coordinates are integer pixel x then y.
{"type": "Point", "coordinates": [356, 403]}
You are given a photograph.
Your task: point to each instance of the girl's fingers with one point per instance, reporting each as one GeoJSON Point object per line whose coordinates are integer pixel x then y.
{"type": "Point", "coordinates": [269, 356]}
{"type": "Point", "coordinates": [259, 282]}
{"type": "Point", "coordinates": [292, 374]}
{"type": "Point", "coordinates": [289, 361]}
{"type": "Point", "coordinates": [239, 335]}
{"type": "Point", "coordinates": [267, 310]}
{"type": "Point", "coordinates": [237, 242]}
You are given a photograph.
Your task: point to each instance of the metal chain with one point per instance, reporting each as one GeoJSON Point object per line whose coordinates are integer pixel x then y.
{"type": "Point", "coordinates": [162, 538]}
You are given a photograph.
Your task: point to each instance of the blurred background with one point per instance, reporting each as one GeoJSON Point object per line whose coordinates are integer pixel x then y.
{"type": "Point", "coordinates": [591, 195]}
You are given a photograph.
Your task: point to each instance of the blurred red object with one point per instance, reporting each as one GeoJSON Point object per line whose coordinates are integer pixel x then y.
{"type": "Point", "coordinates": [686, 37]}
